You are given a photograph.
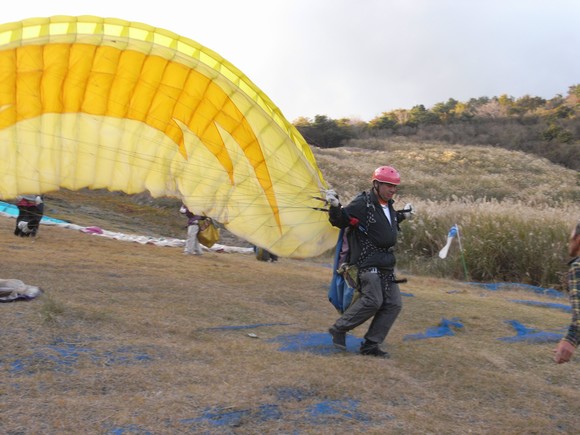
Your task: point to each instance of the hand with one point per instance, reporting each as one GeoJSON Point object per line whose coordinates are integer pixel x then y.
{"type": "Point", "coordinates": [332, 198]}
{"type": "Point", "coordinates": [563, 352]}
{"type": "Point", "coordinates": [408, 211]}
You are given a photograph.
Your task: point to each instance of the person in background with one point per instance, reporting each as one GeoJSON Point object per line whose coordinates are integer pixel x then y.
{"type": "Point", "coordinates": [30, 212]}
{"type": "Point", "coordinates": [374, 225]}
{"type": "Point", "coordinates": [192, 245]}
{"type": "Point", "coordinates": [565, 349]}
{"type": "Point", "coordinates": [264, 255]}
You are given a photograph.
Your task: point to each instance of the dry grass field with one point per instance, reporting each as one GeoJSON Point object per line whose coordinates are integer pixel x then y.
{"type": "Point", "coordinates": [140, 339]}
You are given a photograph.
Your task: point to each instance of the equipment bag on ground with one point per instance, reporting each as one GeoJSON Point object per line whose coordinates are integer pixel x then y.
{"type": "Point", "coordinates": [209, 233]}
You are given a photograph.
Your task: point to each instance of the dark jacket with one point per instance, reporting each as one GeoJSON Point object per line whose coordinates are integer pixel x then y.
{"type": "Point", "coordinates": [192, 219]}
{"type": "Point", "coordinates": [370, 236]}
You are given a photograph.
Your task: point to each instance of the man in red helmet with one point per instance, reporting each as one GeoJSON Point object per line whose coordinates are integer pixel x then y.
{"type": "Point", "coordinates": [373, 225]}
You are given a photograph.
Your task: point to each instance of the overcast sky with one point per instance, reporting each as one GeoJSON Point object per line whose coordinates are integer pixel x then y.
{"type": "Point", "coordinates": [359, 58]}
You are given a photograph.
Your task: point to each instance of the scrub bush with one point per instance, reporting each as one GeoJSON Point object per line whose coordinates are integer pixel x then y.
{"type": "Point", "coordinates": [500, 242]}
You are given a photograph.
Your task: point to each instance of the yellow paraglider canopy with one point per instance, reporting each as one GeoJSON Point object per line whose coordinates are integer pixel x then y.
{"type": "Point", "coordinates": [105, 103]}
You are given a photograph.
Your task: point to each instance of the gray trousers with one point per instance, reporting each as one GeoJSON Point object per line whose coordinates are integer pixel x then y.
{"type": "Point", "coordinates": [192, 245]}
{"type": "Point", "coordinates": [381, 302]}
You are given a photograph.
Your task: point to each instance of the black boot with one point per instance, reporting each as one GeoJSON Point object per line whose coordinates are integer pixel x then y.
{"type": "Point", "coordinates": [373, 349]}
{"type": "Point", "coordinates": [338, 338]}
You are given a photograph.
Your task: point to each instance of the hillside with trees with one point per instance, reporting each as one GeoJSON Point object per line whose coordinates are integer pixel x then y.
{"type": "Point", "coordinates": [547, 128]}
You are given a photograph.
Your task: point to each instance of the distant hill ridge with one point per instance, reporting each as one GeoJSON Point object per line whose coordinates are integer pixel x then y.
{"type": "Point", "coordinates": [438, 172]}
{"type": "Point", "coordinates": [547, 128]}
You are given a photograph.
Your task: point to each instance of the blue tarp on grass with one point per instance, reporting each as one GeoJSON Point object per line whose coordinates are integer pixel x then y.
{"type": "Point", "coordinates": [12, 210]}
{"type": "Point", "coordinates": [444, 329]}
{"type": "Point", "coordinates": [530, 335]}
{"type": "Point", "coordinates": [222, 417]}
{"type": "Point", "coordinates": [239, 327]}
{"type": "Point", "coordinates": [320, 413]}
{"type": "Point", "coordinates": [319, 343]}
{"type": "Point", "coordinates": [63, 357]}
{"type": "Point", "coordinates": [494, 286]}
{"type": "Point", "coordinates": [564, 307]}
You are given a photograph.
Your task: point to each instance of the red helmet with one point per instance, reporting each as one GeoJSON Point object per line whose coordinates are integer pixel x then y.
{"type": "Point", "coordinates": [387, 174]}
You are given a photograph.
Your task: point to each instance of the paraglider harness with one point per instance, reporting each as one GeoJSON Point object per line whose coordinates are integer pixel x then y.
{"type": "Point", "coordinates": [345, 285]}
